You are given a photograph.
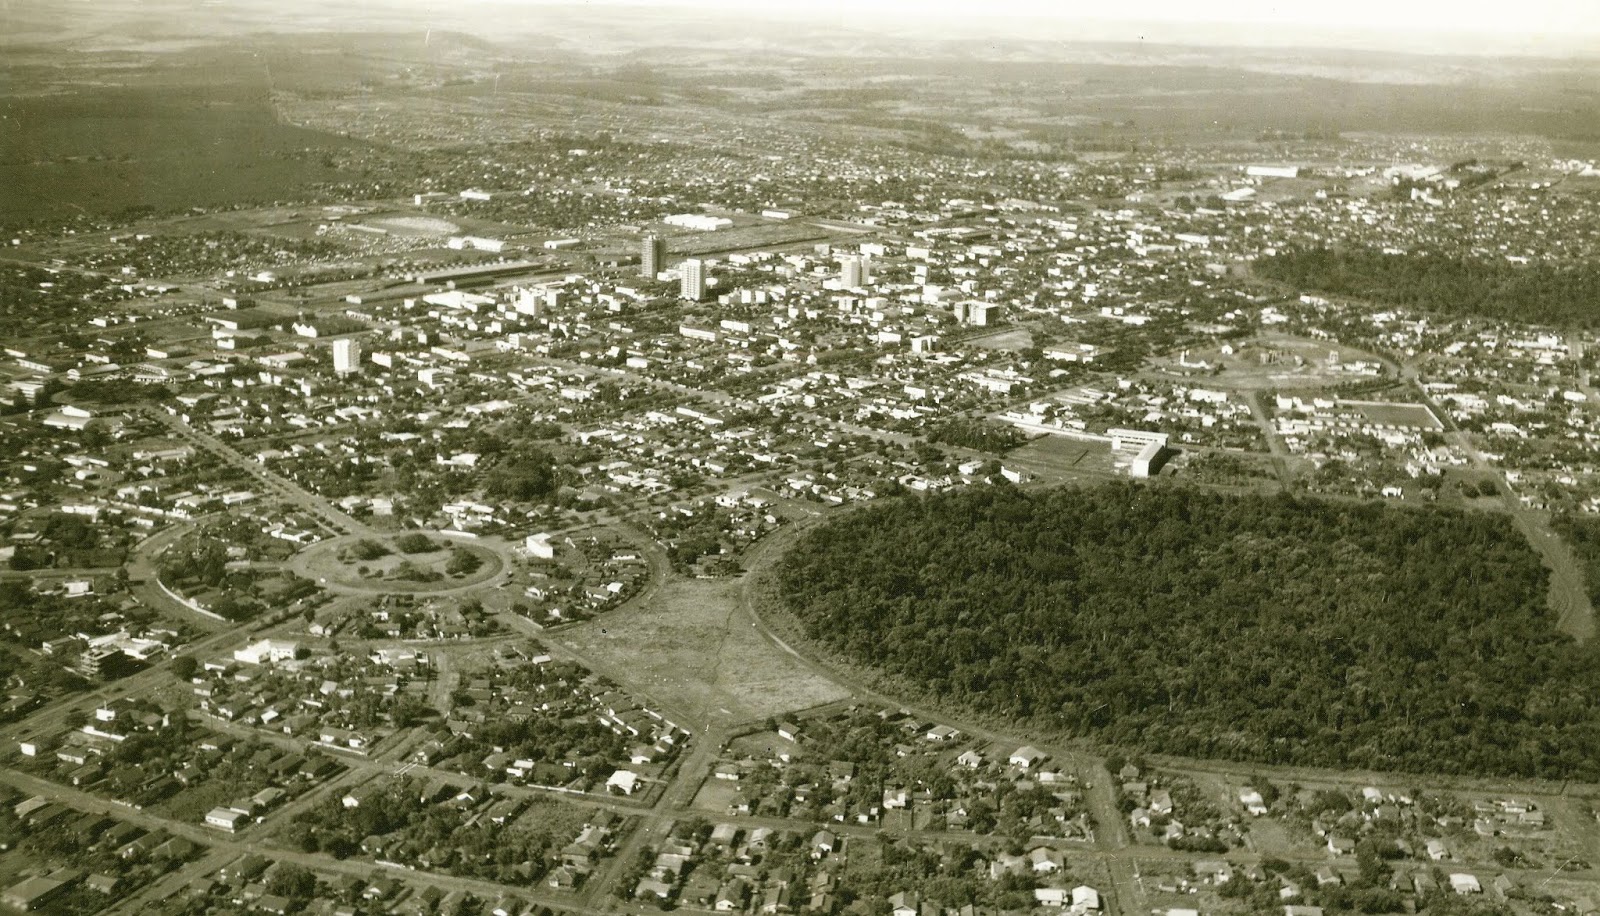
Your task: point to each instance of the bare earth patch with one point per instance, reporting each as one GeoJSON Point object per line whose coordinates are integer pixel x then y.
{"type": "Point", "coordinates": [695, 649]}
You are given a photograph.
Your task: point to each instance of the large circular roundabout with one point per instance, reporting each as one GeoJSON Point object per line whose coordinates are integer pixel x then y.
{"type": "Point", "coordinates": [412, 562]}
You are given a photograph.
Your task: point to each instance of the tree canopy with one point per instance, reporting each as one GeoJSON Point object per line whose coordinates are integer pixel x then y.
{"type": "Point", "coordinates": [979, 435]}
{"type": "Point", "coordinates": [1274, 629]}
{"type": "Point", "coordinates": [528, 475]}
{"type": "Point", "coordinates": [1443, 284]}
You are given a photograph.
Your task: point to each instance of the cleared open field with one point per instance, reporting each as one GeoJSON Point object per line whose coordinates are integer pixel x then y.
{"type": "Point", "coordinates": [695, 649]}
{"type": "Point", "coordinates": [1011, 339]}
{"type": "Point", "coordinates": [1411, 416]}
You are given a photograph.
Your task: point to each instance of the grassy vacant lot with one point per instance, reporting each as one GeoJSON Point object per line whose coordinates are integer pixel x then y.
{"type": "Point", "coordinates": [716, 796]}
{"type": "Point", "coordinates": [1011, 339]}
{"type": "Point", "coordinates": [695, 649]}
{"type": "Point", "coordinates": [1410, 415]}
{"type": "Point", "coordinates": [558, 818]}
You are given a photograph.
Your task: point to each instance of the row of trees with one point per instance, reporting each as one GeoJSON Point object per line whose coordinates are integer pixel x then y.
{"type": "Point", "coordinates": [1277, 629]}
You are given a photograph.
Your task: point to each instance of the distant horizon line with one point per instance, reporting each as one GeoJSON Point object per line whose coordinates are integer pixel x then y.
{"type": "Point", "coordinates": [999, 20]}
{"type": "Point", "coordinates": [1199, 25]}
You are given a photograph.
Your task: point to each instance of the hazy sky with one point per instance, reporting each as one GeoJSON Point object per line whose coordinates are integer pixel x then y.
{"type": "Point", "coordinates": [1524, 16]}
{"type": "Point", "coordinates": [1559, 19]}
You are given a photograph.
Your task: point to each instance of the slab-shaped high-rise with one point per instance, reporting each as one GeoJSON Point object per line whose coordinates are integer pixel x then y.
{"type": "Point", "coordinates": [692, 280]}
{"type": "Point", "coordinates": [652, 256]}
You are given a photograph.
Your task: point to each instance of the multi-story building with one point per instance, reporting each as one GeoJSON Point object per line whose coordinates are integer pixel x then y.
{"type": "Point", "coordinates": [977, 314]}
{"type": "Point", "coordinates": [346, 356]}
{"type": "Point", "coordinates": [852, 273]}
{"type": "Point", "coordinates": [692, 280]}
{"type": "Point", "coordinates": [653, 256]}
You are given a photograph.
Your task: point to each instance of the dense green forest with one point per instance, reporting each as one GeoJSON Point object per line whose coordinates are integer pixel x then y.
{"type": "Point", "coordinates": [1567, 296]}
{"type": "Point", "coordinates": [1274, 629]}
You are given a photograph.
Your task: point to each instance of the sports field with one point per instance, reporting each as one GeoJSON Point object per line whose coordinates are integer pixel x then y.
{"type": "Point", "coordinates": [1052, 459]}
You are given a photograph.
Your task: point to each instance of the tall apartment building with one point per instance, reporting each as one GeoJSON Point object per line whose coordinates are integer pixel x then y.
{"type": "Point", "coordinates": [346, 356]}
{"type": "Point", "coordinates": [652, 256]}
{"type": "Point", "coordinates": [852, 274]}
{"type": "Point", "coordinates": [692, 282]}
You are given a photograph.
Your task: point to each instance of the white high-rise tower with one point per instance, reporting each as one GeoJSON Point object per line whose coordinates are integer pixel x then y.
{"type": "Point", "coordinates": [692, 283]}
{"type": "Point", "coordinates": [652, 256]}
{"type": "Point", "coordinates": [346, 356]}
{"type": "Point", "coordinates": [851, 272]}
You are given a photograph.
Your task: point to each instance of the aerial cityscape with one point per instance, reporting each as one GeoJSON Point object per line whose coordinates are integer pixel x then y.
{"type": "Point", "coordinates": [565, 459]}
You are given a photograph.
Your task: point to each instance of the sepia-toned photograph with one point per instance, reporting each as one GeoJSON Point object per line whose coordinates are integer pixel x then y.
{"type": "Point", "coordinates": [799, 458]}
